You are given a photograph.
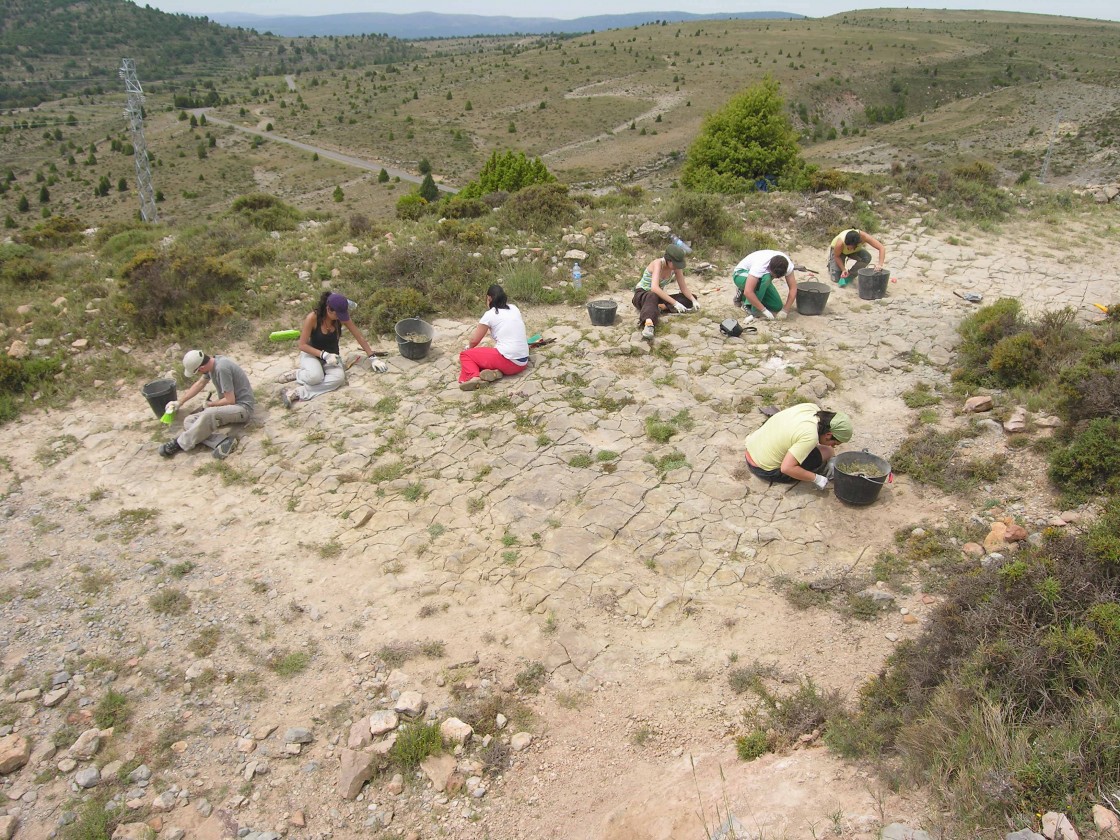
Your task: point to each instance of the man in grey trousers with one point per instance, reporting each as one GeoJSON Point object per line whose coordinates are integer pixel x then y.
{"type": "Point", "coordinates": [233, 405]}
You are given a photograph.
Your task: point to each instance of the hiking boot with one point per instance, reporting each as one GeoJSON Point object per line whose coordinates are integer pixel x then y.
{"type": "Point", "coordinates": [222, 450]}
{"type": "Point", "coordinates": [170, 449]}
{"type": "Point", "coordinates": [737, 300]}
{"type": "Point", "coordinates": [490, 375]}
{"type": "Point", "coordinates": [288, 376]}
{"type": "Point", "coordinates": [470, 384]}
{"type": "Point", "coordinates": [289, 397]}
{"type": "Point", "coordinates": [647, 331]}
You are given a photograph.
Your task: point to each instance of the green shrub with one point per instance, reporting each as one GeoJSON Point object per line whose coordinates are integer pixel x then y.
{"type": "Point", "coordinates": [179, 291]}
{"type": "Point", "coordinates": [1015, 360]}
{"type": "Point", "coordinates": [1007, 699]}
{"type": "Point", "coordinates": [525, 284]}
{"type": "Point", "coordinates": [113, 710]}
{"type": "Point", "coordinates": [55, 232]}
{"type": "Point", "coordinates": [829, 179]}
{"type": "Point", "coordinates": [20, 377]}
{"type": "Point", "coordinates": [1091, 387]}
{"type": "Point", "coordinates": [415, 280]}
{"type": "Point", "coordinates": [748, 139]}
{"type": "Point", "coordinates": [1103, 538]}
{"type": "Point", "coordinates": [289, 663]}
{"type": "Point", "coordinates": [980, 332]}
{"type": "Point", "coordinates": [122, 246]}
{"type": "Point", "coordinates": [539, 208]}
{"type": "Point", "coordinates": [508, 172]}
{"type": "Point", "coordinates": [1091, 462]}
{"type": "Point", "coordinates": [701, 217]}
{"type": "Point", "coordinates": [267, 212]}
{"type": "Point", "coordinates": [457, 207]}
{"type": "Point", "coordinates": [20, 266]}
{"type": "Point", "coordinates": [752, 746]}
{"type": "Point", "coordinates": [934, 458]}
{"type": "Point", "coordinates": [415, 742]}
{"type": "Point", "coordinates": [471, 234]}
{"type": "Point", "coordinates": [411, 207]}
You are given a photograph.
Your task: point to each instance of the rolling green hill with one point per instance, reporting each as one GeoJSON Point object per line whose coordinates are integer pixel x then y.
{"type": "Point", "coordinates": [871, 91]}
{"type": "Point", "coordinates": [53, 48]}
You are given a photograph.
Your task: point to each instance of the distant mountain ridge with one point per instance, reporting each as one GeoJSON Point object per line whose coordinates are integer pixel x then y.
{"type": "Point", "coordinates": [436, 25]}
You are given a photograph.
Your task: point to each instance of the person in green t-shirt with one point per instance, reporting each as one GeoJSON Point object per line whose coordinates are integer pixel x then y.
{"type": "Point", "coordinates": [795, 444]}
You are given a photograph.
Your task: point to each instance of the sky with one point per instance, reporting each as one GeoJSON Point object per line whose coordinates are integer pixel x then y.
{"type": "Point", "coordinates": [580, 8]}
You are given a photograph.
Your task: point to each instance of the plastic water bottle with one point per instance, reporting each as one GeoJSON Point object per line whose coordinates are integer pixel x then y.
{"type": "Point", "coordinates": [681, 244]}
{"type": "Point", "coordinates": [577, 276]}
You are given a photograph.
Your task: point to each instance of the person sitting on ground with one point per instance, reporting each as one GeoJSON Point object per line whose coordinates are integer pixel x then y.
{"type": "Point", "coordinates": [651, 299]}
{"type": "Point", "coordinates": [234, 405]}
{"type": "Point", "coordinates": [320, 365]}
{"type": "Point", "coordinates": [848, 244]}
{"type": "Point", "coordinates": [797, 444]}
{"type": "Point", "coordinates": [510, 353]}
{"type": "Point", "coordinates": [754, 284]}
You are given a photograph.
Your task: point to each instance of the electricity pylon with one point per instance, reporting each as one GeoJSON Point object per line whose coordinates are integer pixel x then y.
{"type": "Point", "coordinates": [134, 110]}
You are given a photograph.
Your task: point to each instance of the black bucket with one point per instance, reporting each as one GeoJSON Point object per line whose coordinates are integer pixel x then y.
{"type": "Point", "coordinates": [410, 348]}
{"type": "Point", "coordinates": [873, 283]}
{"type": "Point", "coordinates": [159, 394]}
{"type": "Point", "coordinates": [811, 298]}
{"type": "Point", "coordinates": [855, 487]}
{"type": "Point", "coordinates": [602, 312]}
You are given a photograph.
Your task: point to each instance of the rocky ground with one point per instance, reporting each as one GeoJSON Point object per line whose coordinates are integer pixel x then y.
{"type": "Point", "coordinates": [230, 648]}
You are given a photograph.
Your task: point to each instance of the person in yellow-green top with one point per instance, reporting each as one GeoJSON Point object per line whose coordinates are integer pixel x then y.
{"type": "Point", "coordinates": [849, 244]}
{"type": "Point", "coordinates": [650, 297]}
{"type": "Point", "coordinates": [796, 444]}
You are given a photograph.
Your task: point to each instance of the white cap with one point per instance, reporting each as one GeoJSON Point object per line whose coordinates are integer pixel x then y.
{"type": "Point", "coordinates": [192, 361]}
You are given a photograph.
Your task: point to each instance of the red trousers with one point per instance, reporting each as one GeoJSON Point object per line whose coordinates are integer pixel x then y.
{"type": "Point", "coordinates": [485, 358]}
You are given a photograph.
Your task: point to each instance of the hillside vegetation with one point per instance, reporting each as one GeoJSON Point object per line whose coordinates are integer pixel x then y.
{"type": "Point", "coordinates": [1003, 702]}
{"type": "Point", "coordinates": [931, 89]}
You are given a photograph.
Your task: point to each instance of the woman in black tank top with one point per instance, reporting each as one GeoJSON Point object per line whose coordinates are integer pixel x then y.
{"type": "Point", "coordinates": [320, 363]}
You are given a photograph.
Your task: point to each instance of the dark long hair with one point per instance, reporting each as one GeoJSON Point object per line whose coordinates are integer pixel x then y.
{"type": "Point", "coordinates": [497, 297]}
{"type": "Point", "coordinates": [321, 309]}
{"type": "Point", "coordinates": [824, 422]}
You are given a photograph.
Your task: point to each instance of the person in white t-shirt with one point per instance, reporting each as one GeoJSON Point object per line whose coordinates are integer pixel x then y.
{"type": "Point", "coordinates": [510, 353]}
{"type": "Point", "coordinates": [754, 278]}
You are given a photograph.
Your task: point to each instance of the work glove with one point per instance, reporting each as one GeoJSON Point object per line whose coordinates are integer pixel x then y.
{"type": "Point", "coordinates": [171, 407]}
{"type": "Point", "coordinates": [330, 359]}
{"type": "Point", "coordinates": [781, 316]}
{"type": "Point", "coordinates": [695, 306]}
{"type": "Point", "coordinates": [830, 468]}
{"type": "Point", "coordinates": [680, 307]}
{"type": "Point", "coordinates": [821, 481]}
{"type": "Point", "coordinates": [767, 314]}
{"type": "Point", "coordinates": [378, 365]}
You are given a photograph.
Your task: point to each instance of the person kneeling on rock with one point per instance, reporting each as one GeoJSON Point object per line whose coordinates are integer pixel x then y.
{"type": "Point", "coordinates": [754, 284]}
{"type": "Point", "coordinates": [651, 299]}
{"type": "Point", "coordinates": [797, 444]}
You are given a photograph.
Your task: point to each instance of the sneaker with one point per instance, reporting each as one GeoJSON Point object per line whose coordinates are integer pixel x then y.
{"type": "Point", "coordinates": [738, 299]}
{"type": "Point", "coordinates": [470, 384]}
{"type": "Point", "coordinates": [490, 375]}
{"type": "Point", "coordinates": [289, 397]}
{"type": "Point", "coordinates": [170, 449]}
{"type": "Point", "coordinates": [289, 376]}
{"type": "Point", "coordinates": [222, 450]}
{"type": "Point", "coordinates": [647, 331]}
